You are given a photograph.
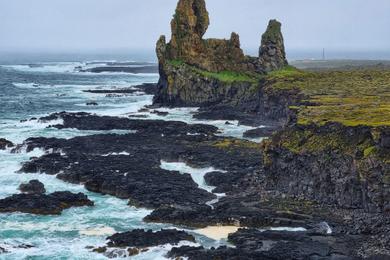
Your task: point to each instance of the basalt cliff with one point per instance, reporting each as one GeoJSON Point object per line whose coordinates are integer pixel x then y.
{"type": "Point", "coordinates": [206, 72]}
{"type": "Point", "coordinates": [331, 148]}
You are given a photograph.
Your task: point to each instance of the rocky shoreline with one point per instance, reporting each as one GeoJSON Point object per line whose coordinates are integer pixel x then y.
{"type": "Point", "coordinates": [133, 162]}
{"type": "Point", "coordinates": [308, 191]}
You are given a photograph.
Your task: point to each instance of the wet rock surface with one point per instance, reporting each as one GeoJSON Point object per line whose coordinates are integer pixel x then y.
{"type": "Point", "coordinates": [4, 144]}
{"type": "Point", "coordinates": [128, 166]}
{"type": "Point", "coordinates": [255, 244]}
{"type": "Point", "coordinates": [32, 187]}
{"type": "Point", "coordinates": [126, 69]}
{"type": "Point", "coordinates": [141, 238]}
{"type": "Point", "coordinates": [96, 161]}
{"type": "Point", "coordinates": [146, 88]}
{"type": "Point", "coordinates": [133, 242]}
{"type": "Point", "coordinates": [260, 132]}
{"type": "Point", "coordinates": [41, 204]}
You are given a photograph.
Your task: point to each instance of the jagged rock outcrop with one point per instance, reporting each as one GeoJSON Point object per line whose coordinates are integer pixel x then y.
{"type": "Point", "coordinates": [272, 54]}
{"type": "Point", "coordinates": [189, 24]}
{"type": "Point", "coordinates": [41, 204]}
{"type": "Point", "coordinates": [32, 187]}
{"type": "Point", "coordinates": [202, 72]}
{"type": "Point", "coordinates": [4, 144]}
{"type": "Point", "coordinates": [347, 167]}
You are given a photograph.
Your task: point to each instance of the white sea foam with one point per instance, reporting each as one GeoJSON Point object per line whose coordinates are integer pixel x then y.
{"type": "Point", "coordinates": [289, 229]}
{"type": "Point", "coordinates": [185, 114]}
{"type": "Point", "coordinates": [121, 153]}
{"type": "Point", "coordinates": [50, 67]}
{"type": "Point", "coordinates": [197, 174]}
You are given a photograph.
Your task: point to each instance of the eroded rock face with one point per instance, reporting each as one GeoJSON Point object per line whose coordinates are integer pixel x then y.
{"type": "Point", "coordinates": [331, 164]}
{"type": "Point", "coordinates": [203, 72]}
{"type": "Point", "coordinates": [272, 54]}
{"type": "Point", "coordinates": [189, 24]}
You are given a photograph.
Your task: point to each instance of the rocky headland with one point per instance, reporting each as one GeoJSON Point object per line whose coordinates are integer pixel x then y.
{"type": "Point", "coordinates": [215, 72]}
{"type": "Point", "coordinates": [317, 188]}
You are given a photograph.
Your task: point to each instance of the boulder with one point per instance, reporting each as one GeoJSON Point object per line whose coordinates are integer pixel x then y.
{"type": "Point", "coordinates": [4, 144]}
{"type": "Point", "coordinates": [32, 187]}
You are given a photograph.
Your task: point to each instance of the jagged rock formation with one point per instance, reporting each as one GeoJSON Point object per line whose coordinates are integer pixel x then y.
{"type": "Point", "coordinates": [42, 204]}
{"type": "Point", "coordinates": [197, 71]}
{"type": "Point", "coordinates": [332, 164]}
{"type": "Point", "coordinates": [272, 54]}
{"type": "Point", "coordinates": [189, 24]}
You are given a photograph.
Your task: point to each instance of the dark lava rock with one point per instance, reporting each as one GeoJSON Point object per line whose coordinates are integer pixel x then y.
{"type": "Point", "coordinates": [85, 121]}
{"type": "Point", "coordinates": [255, 244]}
{"type": "Point", "coordinates": [40, 204]}
{"type": "Point", "coordinates": [159, 113]}
{"type": "Point", "coordinates": [242, 210]}
{"type": "Point", "coordinates": [138, 176]}
{"type": "Point", "coordinates": [221, 112]}
{"type": "Point", "coordinates": [32, 187]}
{"type": "Point", "coordinates": [384, 141]}
{"type": "Point", "coordinates": [140, 238]}
{"type": "Point", "coordinates": [136, 70]}
{"type": "Point", "coordinates": [147, 88]}
{"type": "Point", "coordinates": [133, 242]}
{"type": "Point", "coordinates": [260, 132]}
{"type": "Point", "coordinates": [4, 143]}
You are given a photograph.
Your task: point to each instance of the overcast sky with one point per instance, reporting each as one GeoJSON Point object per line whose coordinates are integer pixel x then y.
{"type": "Point", "coordinates": [81, 25]}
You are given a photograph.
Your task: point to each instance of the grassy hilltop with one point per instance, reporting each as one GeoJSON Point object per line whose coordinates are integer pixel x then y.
{"type": "Point", "coordinates": [351, 97]}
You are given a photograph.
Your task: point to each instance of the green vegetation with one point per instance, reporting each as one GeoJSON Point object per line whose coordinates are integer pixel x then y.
{"type": "Point", "coordinates": [286, 74]}
{"type": "Point", "coordinates": [236, 143]}
{"type": "Point", "coordinates": [369, 151]}
{"type": "Point", "coordinates": [312, 141]}
{"type": "Point", "coordinates": [223, 76]}
{"type": "Point", "coordinates": [356, 97]}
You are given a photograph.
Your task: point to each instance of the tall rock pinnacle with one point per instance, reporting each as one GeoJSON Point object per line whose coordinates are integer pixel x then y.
{"type": "Point", "coordinates": [272, 54]}
{"type": "Point", "coordinates": [188, 25]}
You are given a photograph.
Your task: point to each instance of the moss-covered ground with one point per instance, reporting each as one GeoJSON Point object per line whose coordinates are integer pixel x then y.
{"type": "Point", "coordinates": [355, 97]}
{"type": "Point", "coordinates": [223, 76]}
{"type": "Point", "coordinates": [350, 97]}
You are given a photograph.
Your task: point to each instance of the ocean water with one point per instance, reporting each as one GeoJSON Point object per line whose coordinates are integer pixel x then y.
{"type": "Point", "coordinates": [34, 90]}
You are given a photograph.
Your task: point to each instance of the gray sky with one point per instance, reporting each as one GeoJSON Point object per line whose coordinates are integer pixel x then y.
{"type": "Point", "coordinates": [80, 25]}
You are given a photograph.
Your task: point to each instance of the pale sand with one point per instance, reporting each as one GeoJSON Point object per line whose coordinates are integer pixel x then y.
{"type": "Point", "coordinates": [217, 232]}
{"type": "Point", "coordinates": [101, 231]}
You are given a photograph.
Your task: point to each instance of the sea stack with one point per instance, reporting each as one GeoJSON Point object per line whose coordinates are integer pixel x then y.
{"type": "Point", "coordinates": [272, 54]}
{"type": "Point", "coordinates": [201, 72]}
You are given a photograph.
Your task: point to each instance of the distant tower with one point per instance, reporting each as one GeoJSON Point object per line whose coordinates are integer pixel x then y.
{"type": "Point", "coordinates": [323, 54]}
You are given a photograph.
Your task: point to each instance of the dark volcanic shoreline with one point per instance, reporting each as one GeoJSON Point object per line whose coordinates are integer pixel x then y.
{"type": "Point", "coordinates": [175, 198]}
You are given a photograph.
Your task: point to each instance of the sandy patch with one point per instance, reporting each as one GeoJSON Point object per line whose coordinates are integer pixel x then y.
{"type": "Point", "coordinates": [217, 232]}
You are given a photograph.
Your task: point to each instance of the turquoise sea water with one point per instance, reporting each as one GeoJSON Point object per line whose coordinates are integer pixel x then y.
{"type": "Point", "coordinates": [28, 91]}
